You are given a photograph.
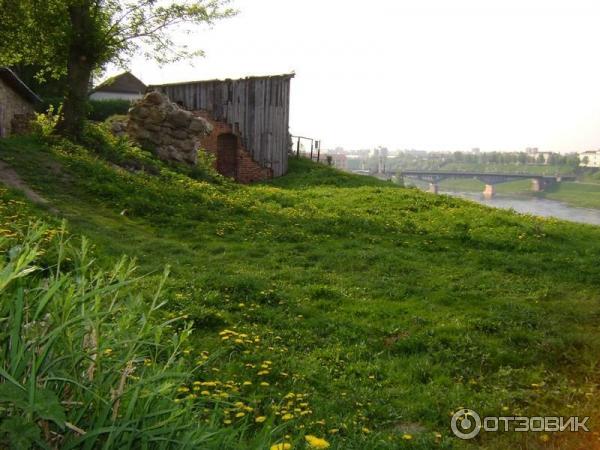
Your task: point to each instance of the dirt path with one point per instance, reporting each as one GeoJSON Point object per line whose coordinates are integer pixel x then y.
{"type": "Point", "coordinates": [12, 179]}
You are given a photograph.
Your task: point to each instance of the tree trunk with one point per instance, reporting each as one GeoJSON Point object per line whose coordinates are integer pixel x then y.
{"type": "Point", "coordinates": [74, 110]}
{"type": "Point", "coordinates": [79, 70]}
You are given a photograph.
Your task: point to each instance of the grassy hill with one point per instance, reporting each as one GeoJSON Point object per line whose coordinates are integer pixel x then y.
{"type": "Point", "coordinates": [334, 305]}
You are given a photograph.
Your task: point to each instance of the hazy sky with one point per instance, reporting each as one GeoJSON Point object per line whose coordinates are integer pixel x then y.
{"type": "Point", "coordinates": [425, 74]}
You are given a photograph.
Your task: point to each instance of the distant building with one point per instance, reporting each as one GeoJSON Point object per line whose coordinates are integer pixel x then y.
{"type": "Point", "coordinates": [531, 150]}
{"type": "Point", "coordinates": [338, 160]}
{"type": "Point", "coordinates": [547, 156]}
{"type": "Point", "coordinates": [121, 87]}
{"type": "Point", "coordinates": [590, 158]}
{"type": "Point", "coordinates": [17, 103]}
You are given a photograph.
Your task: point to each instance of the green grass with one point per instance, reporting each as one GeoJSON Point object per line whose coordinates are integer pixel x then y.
{"type": "Point", "coordinates": [580, 194]}
{"type": "Point", "coordinates": [375, 310]}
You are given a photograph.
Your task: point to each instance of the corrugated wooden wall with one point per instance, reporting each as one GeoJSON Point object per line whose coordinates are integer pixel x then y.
{"type": "Point", "coordinates": [257, 107]}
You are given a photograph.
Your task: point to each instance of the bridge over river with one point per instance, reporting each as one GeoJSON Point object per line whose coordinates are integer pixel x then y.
{"type": "Point", "coordinates": [538, 182]}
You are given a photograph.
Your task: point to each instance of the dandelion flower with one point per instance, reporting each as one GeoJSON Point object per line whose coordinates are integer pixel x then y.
{"type": "Point", "coordinates": [316, 442]}
{"type": "Point", "coordinates": [407, 437]}
{"type": "Point", "coordinates": [281, 446]}
{"type": "Point", "coordinates": [260, 419]}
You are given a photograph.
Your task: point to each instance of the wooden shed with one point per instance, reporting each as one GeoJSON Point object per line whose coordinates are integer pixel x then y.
{"type": "Point", "coordinates": [255, 109]}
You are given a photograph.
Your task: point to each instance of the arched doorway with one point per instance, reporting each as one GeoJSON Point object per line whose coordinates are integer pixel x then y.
{"type": "Point", "coordinates": [227, 155]}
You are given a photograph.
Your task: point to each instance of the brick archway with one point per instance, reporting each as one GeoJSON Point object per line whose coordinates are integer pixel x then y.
{"type": "Point", "coordinates": [227, 155]}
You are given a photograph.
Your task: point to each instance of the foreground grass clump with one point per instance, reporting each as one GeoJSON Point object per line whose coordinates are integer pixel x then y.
{"type": "Point", "coordinates": [345, 308]}
{"type": "Point", "coordinates": [87, 362]}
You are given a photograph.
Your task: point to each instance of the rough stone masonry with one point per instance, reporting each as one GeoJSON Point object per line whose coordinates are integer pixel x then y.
{"type": "Point", "coordinates": [171, 132]}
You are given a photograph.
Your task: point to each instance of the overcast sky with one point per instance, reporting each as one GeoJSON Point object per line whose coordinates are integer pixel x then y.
{"type": "Point", "coordinates": [423, 74]}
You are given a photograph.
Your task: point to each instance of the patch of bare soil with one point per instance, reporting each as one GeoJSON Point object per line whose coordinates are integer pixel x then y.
{"type": "Point", "coordinates": [12, 179]}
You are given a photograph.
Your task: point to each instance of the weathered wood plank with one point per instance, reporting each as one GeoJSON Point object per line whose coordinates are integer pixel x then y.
{"type": "Point", "coordinates": [258, 105]}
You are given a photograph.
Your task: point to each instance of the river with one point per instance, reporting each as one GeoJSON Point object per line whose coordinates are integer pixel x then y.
{"type": "Point", "coordinates": [535, 206]}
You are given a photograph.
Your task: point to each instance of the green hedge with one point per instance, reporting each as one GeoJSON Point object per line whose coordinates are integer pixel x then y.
{"type": "Point", "coordinates": [100, 110]}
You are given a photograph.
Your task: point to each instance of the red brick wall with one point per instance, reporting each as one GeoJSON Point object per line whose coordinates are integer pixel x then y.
{"type": "Point", "coordinates": [248, 170]}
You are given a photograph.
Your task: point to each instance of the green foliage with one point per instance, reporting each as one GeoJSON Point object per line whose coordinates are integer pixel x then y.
{"type": "Point", "coordinates": [45, 123]}
{"type": "Point", "coordinates": [53, 103]}
{"type": "Point", "coordinates": [69, 40]}
{"type": "Point", "coordinates": [41, 34]}
{"type": "Point", "coordinates": [87, 361]}
{"type": "Point", "coordinates": [100, 110]}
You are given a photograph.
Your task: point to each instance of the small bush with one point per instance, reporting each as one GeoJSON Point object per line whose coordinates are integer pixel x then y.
{"type": "Point", "coordinates": [51, 102]}
{"type": "Point", "coordinates": [45, 123]}
{"type": "Point", "coordinates": [100, 110]}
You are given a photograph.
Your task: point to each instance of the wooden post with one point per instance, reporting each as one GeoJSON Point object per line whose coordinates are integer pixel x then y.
{"type": "Point", "coordinates": [312, 144]}
{"type": "Point", "coordinates": [318, 151]}
{"type": "Point", "coordinates": [298, 149]}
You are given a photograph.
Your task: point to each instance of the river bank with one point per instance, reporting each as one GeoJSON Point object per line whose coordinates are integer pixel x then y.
{"type": "Point", "coordinates": [576, 202]}
{"type": "Point", "coordinates": [585, 195]}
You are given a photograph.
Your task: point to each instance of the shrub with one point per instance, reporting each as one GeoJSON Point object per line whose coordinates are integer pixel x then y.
{"type": "Point", "coordinates": [51, 102]}
{"type": "Point", "coordinates": [100, 110]}
{"type": "Point", "coordinates": [45, 123]}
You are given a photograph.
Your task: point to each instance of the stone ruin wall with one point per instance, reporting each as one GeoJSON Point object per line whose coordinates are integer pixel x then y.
{"type": "Point", "coordinates": [175, 134]}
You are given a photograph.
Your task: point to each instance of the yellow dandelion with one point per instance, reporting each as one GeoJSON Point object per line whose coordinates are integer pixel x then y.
{"type": "Point", "coordinates": [260, 419]}
{"type": "Point", "coordinates": [315, 442]}
{"type": "Point", "coordinates": [287, 416]}
{"type": "Point", "coordinates": [281, 446]}
{"type": "Point", "coordinates": [407, 437]}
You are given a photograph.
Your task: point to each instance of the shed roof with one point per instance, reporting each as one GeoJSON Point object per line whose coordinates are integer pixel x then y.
{"type": "Point", "coordinates": [124, 83]}
{"type": "Point", "coordinates": [12, 80]}
{"type": "Point", "coordinates": [217, 80]}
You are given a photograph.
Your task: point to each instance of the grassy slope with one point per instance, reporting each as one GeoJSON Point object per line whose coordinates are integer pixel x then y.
{"type": "Point", "coordinates": [389, 307]}
{"type": "Point", "coordinates": [579, 194]}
